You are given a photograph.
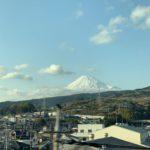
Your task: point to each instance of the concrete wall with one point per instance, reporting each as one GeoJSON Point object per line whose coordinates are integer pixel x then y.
{"type": "Point", "coordinates": [92, 127]}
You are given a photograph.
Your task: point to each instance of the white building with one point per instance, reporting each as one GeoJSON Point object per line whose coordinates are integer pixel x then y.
{"type": "Point", "coordinates": [127, 133]}
{"type": "Point", "coordinates": [52, 114]}
{"type": "Point", "coordinates": [85, 131]}
{"type": "Point", "coordinates": [12, 119]}
{"type": "Point", "coordinates": [89, 116]}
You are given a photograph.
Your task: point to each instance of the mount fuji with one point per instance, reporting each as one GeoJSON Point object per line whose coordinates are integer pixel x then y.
{"type": "Point", "coordinates": [89, 84]}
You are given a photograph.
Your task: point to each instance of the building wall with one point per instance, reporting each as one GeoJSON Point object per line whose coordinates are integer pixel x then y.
{"type": "Point", "coordinates": [90, 117]}
{"type": "Point", "coordinates": [12, 119]}
{"type": "Point", "coordinates": [120, 133]}
{"type": "Point", "coordinates": [87, 127]}
{"type": "Point", "coordinates": [86, 130]}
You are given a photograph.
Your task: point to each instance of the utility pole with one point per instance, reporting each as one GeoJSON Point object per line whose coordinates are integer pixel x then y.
{"type": "Point", "coordinates": [44, 104]}
{"type": "Point", "coordinates": [30, 135]}
{"type": "Point", "coordinates": [44, 108]}
{"type": "Point", "coordinates": [6, 139]}
{"type": "Point", "coordinates": [57, 129]}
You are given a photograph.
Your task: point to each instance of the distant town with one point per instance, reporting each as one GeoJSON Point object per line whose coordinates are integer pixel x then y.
{"type": "Point", "coordinates": [91, 122]}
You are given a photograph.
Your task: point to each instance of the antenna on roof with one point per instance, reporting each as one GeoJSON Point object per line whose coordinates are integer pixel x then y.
{"type": "Point", "coordinates": [120, 111]}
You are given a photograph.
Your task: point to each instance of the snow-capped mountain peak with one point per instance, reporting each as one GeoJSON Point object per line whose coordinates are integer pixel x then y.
{"type": "Point", "coordinates": [88, 84]}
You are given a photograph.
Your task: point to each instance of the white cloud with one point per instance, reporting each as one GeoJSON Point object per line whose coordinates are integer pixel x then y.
{"type": "Point", "coordinates": [110, 8]}
{"type": "Point", "coordinates": [114, 22]}
{"type": "Point", "coordinates": [46, 92]}
{"type": "Point", "coordinates": [21, 66]}
{"type": "Point", "coordinates": [4, 74]}
{"type": "Point", "coordinates": [3, 88]}
{"type": "Point", "coordinates": [65, 46]}
{"type": "Point", "coordinates": [140, 16]}
{"type": "Point", "coordinates": [102, 37]}
{"type": "Point", "coordinates": [15, 93]}
{"type": "Point", "coordinates": [15, 75]}
{"type": "Point", "coordinates": [107, 33]}
{"type": "Point", "coordinates": [41, 92]}
{"type": "Point", "coordinates": [79, 13]}
{"type": "Point", "coordinates": [54, 70]}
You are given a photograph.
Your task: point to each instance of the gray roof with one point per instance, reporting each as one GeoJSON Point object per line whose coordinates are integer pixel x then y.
{"type": "Point", "coordinates": [114, 142]}
{"type": "Point", "coordinates": [135, 129]}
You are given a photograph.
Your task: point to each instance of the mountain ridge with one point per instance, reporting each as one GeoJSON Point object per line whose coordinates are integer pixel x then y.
{"type": "Point", "coordinates": [136, 95]}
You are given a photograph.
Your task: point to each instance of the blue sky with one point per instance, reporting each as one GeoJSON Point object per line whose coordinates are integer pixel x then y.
{"type": "Point", "coordinates": [44, 45]}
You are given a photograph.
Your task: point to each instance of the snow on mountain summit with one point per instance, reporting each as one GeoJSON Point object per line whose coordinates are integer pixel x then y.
{"type": "Point", "coordinates": [88, 84]}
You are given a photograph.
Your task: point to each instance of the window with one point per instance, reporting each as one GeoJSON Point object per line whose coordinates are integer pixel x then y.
{"type": "Point", "coordinates": [82, 131]}
{"type": "Point", "coordinates": [89, 130]}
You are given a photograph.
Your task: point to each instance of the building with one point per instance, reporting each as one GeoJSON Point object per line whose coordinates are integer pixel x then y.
{"type": "Point", "coordinates": [111, 143]}
{"type": "Point", "coordinates": [85, 131]}
{"type": "Point", "coordinates": [126, 133]}
{"type": "Point", "coordinates": [89, 116]}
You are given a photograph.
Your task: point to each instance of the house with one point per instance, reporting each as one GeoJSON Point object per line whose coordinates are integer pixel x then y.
{"type": "Point", "coordinates": [12, 119]}
{"type": "Point", "coordinates": [111, 143]}
{"type": "Point", "coordinates": [85, 131]}
{"type": "Point", "coordinates": [123, 132]}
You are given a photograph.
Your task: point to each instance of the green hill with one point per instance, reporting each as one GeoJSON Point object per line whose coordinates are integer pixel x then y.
{"type": "Point", "coordinates": [137, 101]}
